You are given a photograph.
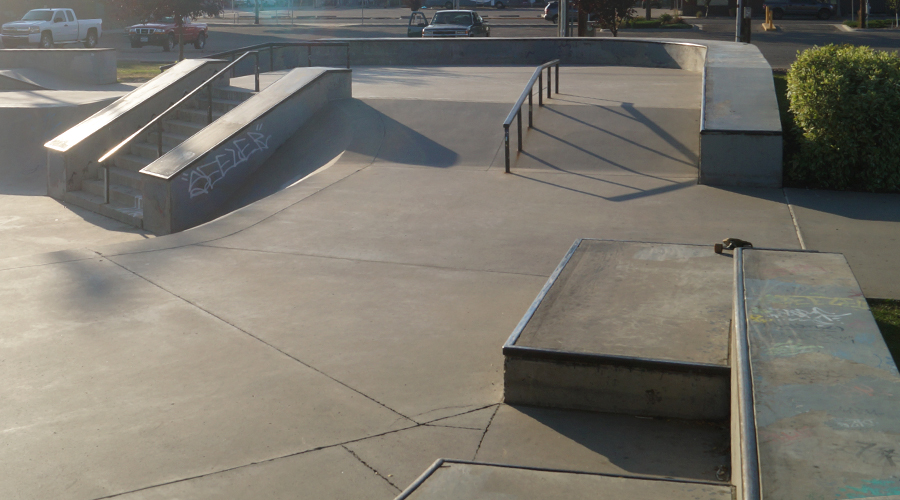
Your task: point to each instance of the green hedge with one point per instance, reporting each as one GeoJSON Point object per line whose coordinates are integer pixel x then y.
{"type": "Point", "coordinates": [846, 104]}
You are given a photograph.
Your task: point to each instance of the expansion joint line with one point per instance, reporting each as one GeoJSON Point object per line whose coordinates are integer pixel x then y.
{"type": "Point", "coordinates": [388, 481]}
{"type": "Point", "coordinates": [794, 219]}
{"type": "Point", "coordinates": [271, 346]}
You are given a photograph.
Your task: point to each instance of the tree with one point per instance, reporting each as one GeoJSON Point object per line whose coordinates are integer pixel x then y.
{"type": "Point", "coordinates": [610, 14]}
{"type": "Point", "coordinates": [894, 4]}
{"type": "Point", "coordinates": [157, 9]}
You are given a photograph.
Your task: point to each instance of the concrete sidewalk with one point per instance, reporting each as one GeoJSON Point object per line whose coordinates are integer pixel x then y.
{"type": "Point", "coordinates": [335, 338]}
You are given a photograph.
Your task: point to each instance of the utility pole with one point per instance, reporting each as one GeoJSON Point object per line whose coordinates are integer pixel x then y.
{"type": "Point", "coordinates": [562, 17]}
{"type": "Point", "coordinates": [256, 12]}
{"type": "Point", "coordinates": [863, 17]}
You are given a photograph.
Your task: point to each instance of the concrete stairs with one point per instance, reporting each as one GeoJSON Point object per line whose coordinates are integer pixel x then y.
{"type": "Point", "coordinates": [125, 186]}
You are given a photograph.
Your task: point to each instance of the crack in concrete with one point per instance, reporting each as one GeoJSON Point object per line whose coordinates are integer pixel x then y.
{"type": "Point", "coordinates": [427, 266]}
{"type": "Point", "coordinates": [382, 476]}
{"type": "Point", "coordinates": [488, 426]}
{"type": "Point", "coordinates": [284, 353]}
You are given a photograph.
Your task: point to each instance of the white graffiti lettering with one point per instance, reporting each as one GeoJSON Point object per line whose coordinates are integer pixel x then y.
{"type": "Point", "coordinates": [816, 315]}
{"type": "Point", "coordinates": [202, 179]}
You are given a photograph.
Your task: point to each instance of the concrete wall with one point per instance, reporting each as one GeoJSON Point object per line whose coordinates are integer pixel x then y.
{"type": "Point", "coordinates": [188, 185]}
{"type": "Point", "coordinates": [74, 154]}
{"type": "Point", "coordinates": [89, 66]}
{"type": "Point", "coordinates": [740, 128]}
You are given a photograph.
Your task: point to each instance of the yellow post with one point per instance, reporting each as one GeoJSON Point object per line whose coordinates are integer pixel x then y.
{"type": "Point", "coordinates": [768, 26]}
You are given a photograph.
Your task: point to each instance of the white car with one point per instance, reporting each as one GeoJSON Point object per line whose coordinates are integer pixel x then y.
{"type": "Point", "coordinates": [49, 27]}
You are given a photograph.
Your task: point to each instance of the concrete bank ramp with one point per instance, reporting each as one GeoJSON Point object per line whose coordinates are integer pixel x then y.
{"type": "Point", "coordinates": [601, 124]}
{"type": "Point", "coordinates": [452, 480]}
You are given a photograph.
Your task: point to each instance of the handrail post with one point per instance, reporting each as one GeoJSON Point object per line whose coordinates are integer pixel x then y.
{"type": "Point", "coordinates": [209, 104]}
{"type": "Point", "coordinates": [105, 184]}
{"type": "Point", "coordinates": [256, 72]}
{"type": "Point", "coordinates": [540, 88]}
{"type": "Point", "coordinates": [557, 78]}
{"type": "Point", "coordinates": [519, 121]}
{"type": "Point", "coordinates": [549, 83]}
{"type": "Point", "coordinates": [506, 144]}
{"type": "Point", "coordinates": [530, 93]}
{"type": "Point", "coordinates": [159, 137]}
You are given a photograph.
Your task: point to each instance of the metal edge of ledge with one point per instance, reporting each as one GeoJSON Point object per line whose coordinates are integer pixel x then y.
{"type": "Point", "coordinates": [517, 331]}
{"type": "Point", "coordinates": [535, 353]}
{"type": "Point", "coordinates": [750, 479]}
{"type": "Point", "coordinates": [441, 461]}
{"type": "Point", "coordinates": [706, 131]}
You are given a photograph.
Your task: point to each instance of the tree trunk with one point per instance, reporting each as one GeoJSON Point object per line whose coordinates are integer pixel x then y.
{"type": "Point", "coordinates": [181, 44]}
{"type": "Point", "coordinates": [647, 9]}
{"type": "Point", "coordinates": [582, 21]}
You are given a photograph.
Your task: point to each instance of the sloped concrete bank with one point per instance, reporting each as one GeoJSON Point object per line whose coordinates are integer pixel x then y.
{"type": "Point", "coordinates": [740, 131]}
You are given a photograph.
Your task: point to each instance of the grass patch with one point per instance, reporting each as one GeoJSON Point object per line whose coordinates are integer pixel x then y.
{"type": "Point", "coordinates": [887, 315]}
{"type": "Point", "coordinates": [135, 72]}
{"type": "Point", "coordinates": [873, 23]}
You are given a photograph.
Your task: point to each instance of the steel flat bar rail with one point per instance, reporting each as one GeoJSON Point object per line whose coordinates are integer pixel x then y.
{"type": "Point", "coordinates": [516, 112]}
{"type": "Point", "coordinates": [158, 120]}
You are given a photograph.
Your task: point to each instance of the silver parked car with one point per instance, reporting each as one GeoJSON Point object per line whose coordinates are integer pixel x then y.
{"type": "Point", "coordinates": [456, 23]}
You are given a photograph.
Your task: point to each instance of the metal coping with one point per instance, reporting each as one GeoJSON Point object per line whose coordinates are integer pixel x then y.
{"type": "Point", "coordinates": [615, 360]}
{"type": "Point", "coordinates": [511, 341]}
{"type": "Point", "coordinates": [750, 481]}
{"type": "Point", "coordinates": [741, 132]}
{"type": "Point", "coordinates": [441, 461]}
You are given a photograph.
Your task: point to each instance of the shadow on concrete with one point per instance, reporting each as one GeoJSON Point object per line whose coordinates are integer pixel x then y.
{"type": "Point", "coordinates": [884, 207]}
{"type": "Point", "coordinates": [689, 157]}
{"type": "Point", "coordinates": [658, 447]}
{"type": "Point", "coordinates": [348, 131]}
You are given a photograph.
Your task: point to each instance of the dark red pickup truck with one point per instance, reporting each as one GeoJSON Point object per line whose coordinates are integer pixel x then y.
{"type": "Point", "coordinates": [162, 32]}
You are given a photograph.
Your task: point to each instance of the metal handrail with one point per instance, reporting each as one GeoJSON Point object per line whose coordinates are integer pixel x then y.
{"type": "Point", "coordinates": [516, 111]}
{"type": "Point", "coordinates": [271, 46]}
{"type": "Point", "coordinates": [158, 120]}
{"type": "Point", "coordinates": [749, 451]}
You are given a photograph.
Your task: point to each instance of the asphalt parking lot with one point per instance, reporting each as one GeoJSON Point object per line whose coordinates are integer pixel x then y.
{"type": "Point", "coordinates": [236, 29]}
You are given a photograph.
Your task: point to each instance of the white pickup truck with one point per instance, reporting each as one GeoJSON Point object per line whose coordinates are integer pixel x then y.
{"type": "Point", "coordinates": [50, 27]}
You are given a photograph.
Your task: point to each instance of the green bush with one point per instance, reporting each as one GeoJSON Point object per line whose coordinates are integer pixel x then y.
{"type": "Point", "coordinates": [665, 18]}
{"type": "Point", "coordinates": [846, 104]}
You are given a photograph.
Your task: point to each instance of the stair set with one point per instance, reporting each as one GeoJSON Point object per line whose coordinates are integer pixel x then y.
{"type": "Point", "coordinates": [124, 180]}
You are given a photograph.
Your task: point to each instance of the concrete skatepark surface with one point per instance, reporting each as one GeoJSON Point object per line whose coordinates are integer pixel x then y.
{"type": "Point", "coordinates": [334, 338]}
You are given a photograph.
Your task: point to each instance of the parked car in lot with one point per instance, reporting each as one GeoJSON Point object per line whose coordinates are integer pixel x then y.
{"type": "Point", "coordinates": [821, 10]}
{"type": "Point", "coordinates": [456, 23]}
{"type": "Point", "coordinates": [417, 24]}
{"type": "Point", "coordinates": [50, 27]}
{"type": "Point", "coordinates": [448, 4]}
{"type": "Point", "coordinates": [164, 33]}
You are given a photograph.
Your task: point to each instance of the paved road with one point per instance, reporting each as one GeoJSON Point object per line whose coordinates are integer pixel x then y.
{"type": "Point", "coordinates": [780, 48]}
